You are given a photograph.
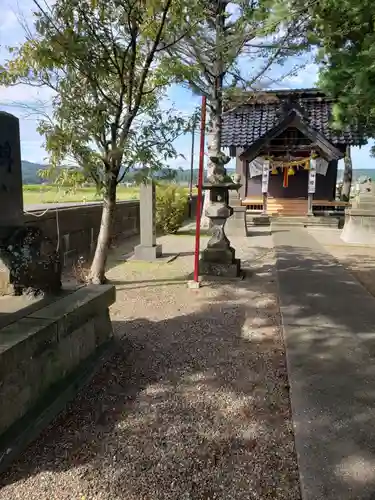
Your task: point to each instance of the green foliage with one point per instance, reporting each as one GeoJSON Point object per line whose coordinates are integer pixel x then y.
{"type": "Point", "coordinates": [102, 59]}
{"type": "Point", "coordinates": [171, 205]}
{"type": "Point", "coordinates": [343, 34]}
{"type": "Point", "coordinates": [347, 55]}
{"type": "Point", "coordinates": [69, 178]}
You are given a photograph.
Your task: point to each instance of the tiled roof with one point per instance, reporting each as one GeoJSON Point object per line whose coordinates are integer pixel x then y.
{"type": "Point", "coordinates": [249, 122]}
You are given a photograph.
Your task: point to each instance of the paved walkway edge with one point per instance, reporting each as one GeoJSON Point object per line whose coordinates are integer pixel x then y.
{"type": "Point", "coordinates": [328, 322]}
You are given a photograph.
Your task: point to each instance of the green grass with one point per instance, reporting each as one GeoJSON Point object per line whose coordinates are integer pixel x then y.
{"type": "Point", "coordinates": [34, 194]}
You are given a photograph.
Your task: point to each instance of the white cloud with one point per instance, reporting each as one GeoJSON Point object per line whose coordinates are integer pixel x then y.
{"type": "Point", "coordinates": [25, 94]}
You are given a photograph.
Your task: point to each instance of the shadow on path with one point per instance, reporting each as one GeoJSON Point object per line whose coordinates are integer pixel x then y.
{"type": "Point", "coordinates": [329, 321]}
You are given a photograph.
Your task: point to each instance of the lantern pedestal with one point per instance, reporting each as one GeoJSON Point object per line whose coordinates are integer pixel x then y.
{"type": "Point", "coordinates": [219, 258]}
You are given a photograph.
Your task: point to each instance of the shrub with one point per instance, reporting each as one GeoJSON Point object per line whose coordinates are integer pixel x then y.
{"type": "Point", "coordinates": [171, 205]}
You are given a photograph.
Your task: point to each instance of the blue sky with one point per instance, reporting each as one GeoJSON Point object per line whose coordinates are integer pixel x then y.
{"type": "Point", "coordinates": [16, 99]}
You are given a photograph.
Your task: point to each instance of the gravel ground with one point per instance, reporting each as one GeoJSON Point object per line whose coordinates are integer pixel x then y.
{"type": "Point", "coordinates": [194, 405]}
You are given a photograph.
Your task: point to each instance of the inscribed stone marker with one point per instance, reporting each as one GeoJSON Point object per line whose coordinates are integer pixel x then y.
{"type": "Point", "coordinates": [148, 249]}
{"type": "Point", "coordinates": [11, 198]}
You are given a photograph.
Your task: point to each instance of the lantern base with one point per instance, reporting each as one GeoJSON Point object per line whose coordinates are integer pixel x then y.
{"type": "Point", "coordinates": [224, 270]}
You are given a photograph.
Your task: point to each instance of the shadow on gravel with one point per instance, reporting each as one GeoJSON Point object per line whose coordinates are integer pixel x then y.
{"type": "Point", "coordinates": [191, 407]}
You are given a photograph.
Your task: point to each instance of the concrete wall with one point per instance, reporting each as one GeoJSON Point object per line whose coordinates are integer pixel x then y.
{"type": "Point", "coordinates": [78, 226]}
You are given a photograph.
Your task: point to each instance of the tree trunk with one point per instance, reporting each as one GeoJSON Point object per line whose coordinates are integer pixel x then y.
{"type": "Point", "coordinates": [97, 271]}
{"type": "Point", "coordinates": [216, 105]}
{"type": "Point", "coordinates": [348, 175]}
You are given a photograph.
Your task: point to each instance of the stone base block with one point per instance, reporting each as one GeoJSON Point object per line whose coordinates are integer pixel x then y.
{"type": "Point", "coordinates": [238, 212]}
{"type": "Point", "coordinates": [359, 229]}
{"type": "Point", "coordinates": [225, 270]}
{"type": "Point", "coordinates": [142, 252]}
{"type": "Point", "coordinates": [219, 255]}
{"type": "Point", "coordinates": [46, 356]}
{"type": "Point", "coordinates": [193, 285]}
{"type": "Point", "coordinates": [6, 288]}
{"type": "Point", "coordinates": [28, 261]}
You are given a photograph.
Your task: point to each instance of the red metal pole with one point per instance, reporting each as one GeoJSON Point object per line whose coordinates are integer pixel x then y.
{"type": "Point", "coordinates": [200, 182]}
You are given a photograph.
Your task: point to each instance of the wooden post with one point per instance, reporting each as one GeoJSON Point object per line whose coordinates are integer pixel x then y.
{"type": "Point", "coordinates": [265, 199]}
{"type": "Point", "coordinates": [310, 204]}
{"type": "Point", "coordinates": [311, 186]}
{"type": "Point", "coordinates": [265, 180]}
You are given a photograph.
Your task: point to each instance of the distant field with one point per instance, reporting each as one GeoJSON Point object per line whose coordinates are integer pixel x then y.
{"type": "Point", "coordinates": [34, 194]}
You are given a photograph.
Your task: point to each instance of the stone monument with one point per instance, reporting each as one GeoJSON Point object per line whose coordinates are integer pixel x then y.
{"type": "Point", "coordinates": [51, 344]}
{"type": "Point", "coordinates": [147, 250]}
{"type": "Point", "coordinates": [219, 259]}
{"type": "Point", "coordinates": [359, 227]}
{"type": "Point", "coordinates": [28, 259]}
{"type": "Point", "coordinates": [11, 199]}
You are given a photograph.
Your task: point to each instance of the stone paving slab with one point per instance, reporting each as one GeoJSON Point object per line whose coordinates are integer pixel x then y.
{"type": "Point", "coordinates": [329, 328]}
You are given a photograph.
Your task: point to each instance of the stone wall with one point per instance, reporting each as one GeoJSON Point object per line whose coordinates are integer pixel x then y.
{"type": "Point", "coordinates": [44, 357]}
{"type": "Point", "coordinates": [78, 226]}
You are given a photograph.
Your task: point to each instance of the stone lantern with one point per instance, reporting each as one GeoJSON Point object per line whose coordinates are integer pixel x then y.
{"type": "Point", "coordinates": [219, 259]}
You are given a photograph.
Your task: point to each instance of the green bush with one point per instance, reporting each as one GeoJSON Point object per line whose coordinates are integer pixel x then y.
{"type": "Point", "coordinates": [171, 206]}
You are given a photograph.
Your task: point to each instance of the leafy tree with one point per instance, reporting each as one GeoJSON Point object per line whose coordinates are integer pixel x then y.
{"type": "Point", "coordinates": [342, 33]}
{"type": "Point", "coordinates": [105, 60]}
{"type": "Point", "coordinates": [235, 35]}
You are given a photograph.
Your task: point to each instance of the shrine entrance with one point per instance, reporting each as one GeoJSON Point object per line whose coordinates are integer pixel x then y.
{"type": "Point", "coordinates": [288, 186]}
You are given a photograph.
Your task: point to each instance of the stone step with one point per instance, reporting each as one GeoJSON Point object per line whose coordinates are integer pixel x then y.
{"type": "Point", "coordinates": [305, 221]}
{"type": "Point", "coordinates": [291, 220]}
{"type": "Point", "coordinates": [286, 206]}
{"type": "Point", "coordinates": [257, 220]}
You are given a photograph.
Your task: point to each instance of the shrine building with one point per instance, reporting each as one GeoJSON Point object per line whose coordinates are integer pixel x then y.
{"type": "Point", "coordinates": [286, 151]}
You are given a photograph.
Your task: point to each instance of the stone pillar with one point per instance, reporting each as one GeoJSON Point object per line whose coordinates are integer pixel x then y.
{"type": "Point", "coordinates": [359, 225]}
{"type": "Point", "coordinates": [28, 260]}
{"type": "Point", "coordinates": [148, 249]}
{"type": "Point", "coordinates": [11, 197]}
{"type": "Point", "coordinates": [235, 201]}
{"type": "Point", "coordinates": [311, 187]}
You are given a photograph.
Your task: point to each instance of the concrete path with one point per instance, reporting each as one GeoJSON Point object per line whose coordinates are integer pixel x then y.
{"type": "Point", "coordinates": [329, 327]}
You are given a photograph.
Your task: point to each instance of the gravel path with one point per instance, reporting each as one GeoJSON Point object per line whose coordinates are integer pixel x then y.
{"type": "Point", "coordinates": [194, 405]}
